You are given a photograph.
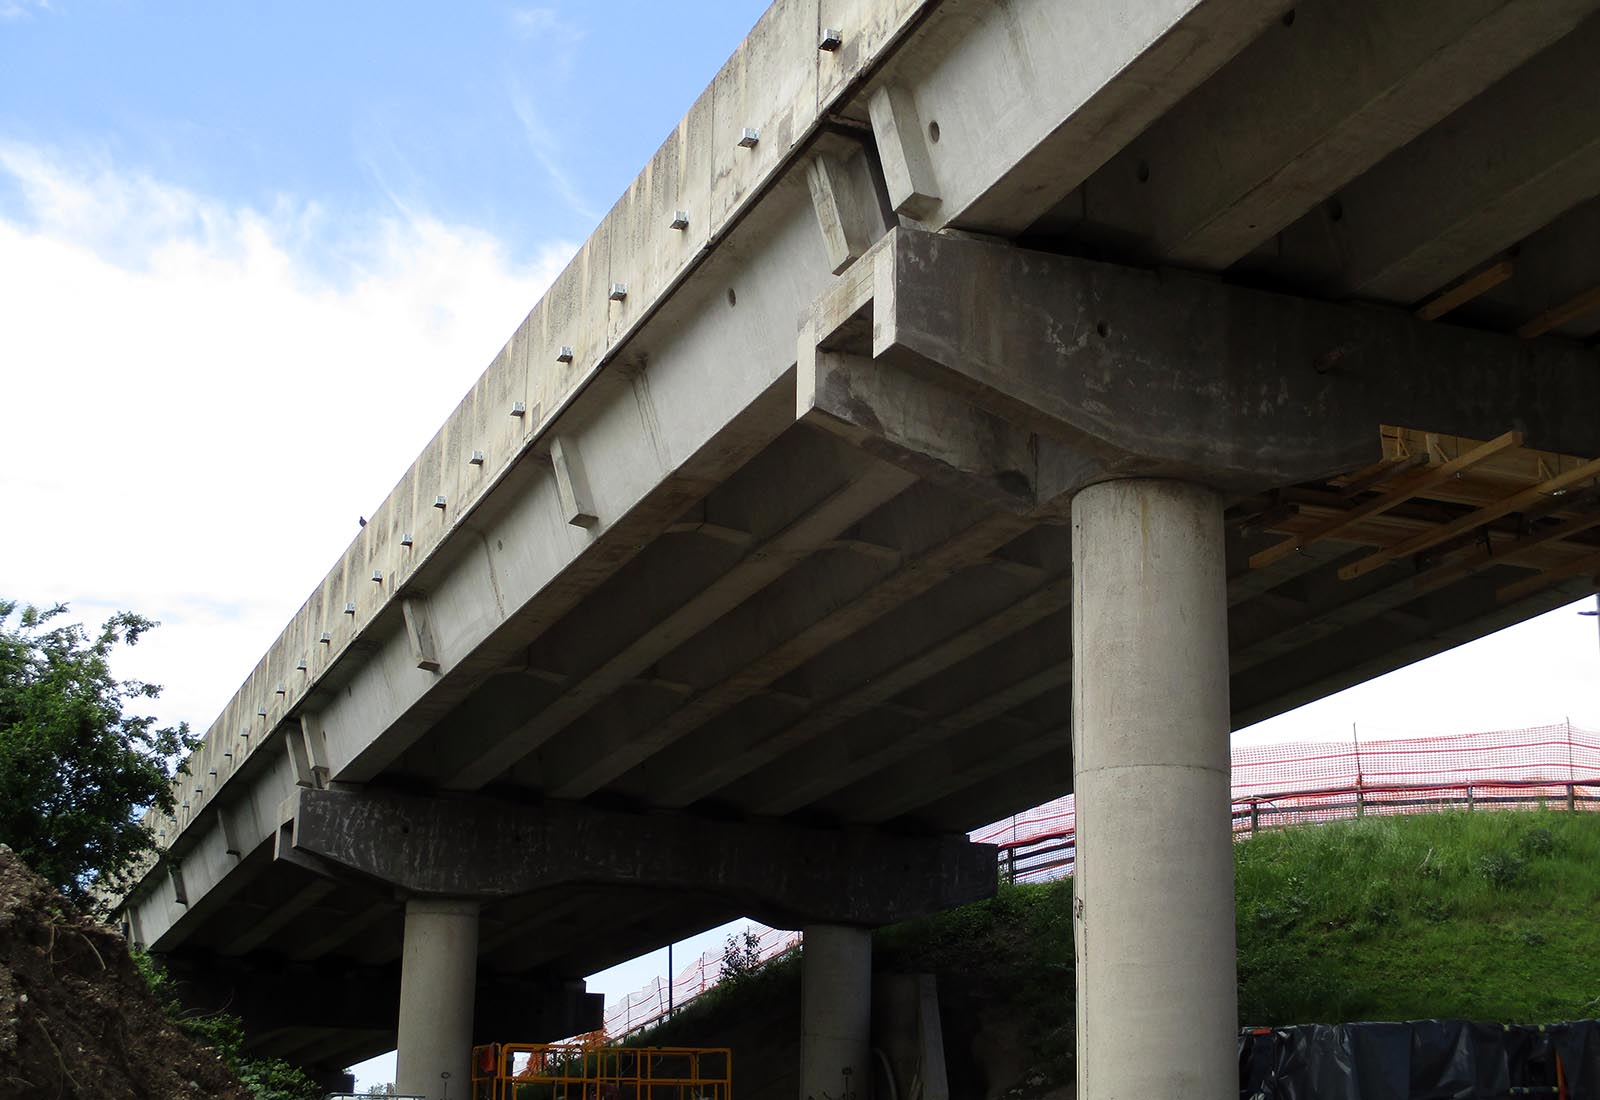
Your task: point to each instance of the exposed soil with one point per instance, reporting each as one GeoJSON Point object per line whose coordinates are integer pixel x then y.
{"type": "Point", "coordinates": [77, 1018]}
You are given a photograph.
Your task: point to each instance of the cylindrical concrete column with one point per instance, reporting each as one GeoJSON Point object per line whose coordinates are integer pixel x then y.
{"type": "Point", "coordinates": [836, 1014]}
{"type": "Point", "coordinates": [438, 981]}
{"type": "Point", "coordinates": [1153, 886]}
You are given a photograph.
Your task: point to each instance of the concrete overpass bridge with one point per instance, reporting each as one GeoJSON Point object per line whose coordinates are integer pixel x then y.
{"type": "Point", "coordinates": [971, 400]}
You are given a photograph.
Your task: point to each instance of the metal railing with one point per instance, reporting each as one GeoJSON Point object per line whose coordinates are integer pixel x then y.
{"type": "Point", "coordinates": [1274, 786]}
{"type": "Point", "coordinates": [585, 1071]}
{"type": "Point", "coordinates": [1052, 855]}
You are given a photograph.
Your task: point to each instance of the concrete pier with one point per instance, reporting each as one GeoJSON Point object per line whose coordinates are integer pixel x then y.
{"type": "Point", "coordinates": [1153, 904]}
{"type": "Point", "coordinates": [438, 980]}
{"type": "Point", "coordinates": [836, 1013]}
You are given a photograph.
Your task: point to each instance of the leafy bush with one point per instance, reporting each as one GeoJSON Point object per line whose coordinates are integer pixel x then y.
{"type": "Point", "coordinates": [266, 1078]}
{"type": "Point", "coordinates": [1537, 842]}
{"type": "Point", "coordinates": [1502, 869]}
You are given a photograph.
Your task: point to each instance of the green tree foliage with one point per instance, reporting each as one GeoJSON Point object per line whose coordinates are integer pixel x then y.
{"type": "Point", "coordinates": [742, 957]}
{"type": "Point", "coordinates": [74, 768]}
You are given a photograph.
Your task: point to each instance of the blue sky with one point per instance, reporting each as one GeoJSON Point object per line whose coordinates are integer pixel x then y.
{"type": "Point", "coordinates": [529, 120]}
{"type": "Point", "coordinates": [252, 255]}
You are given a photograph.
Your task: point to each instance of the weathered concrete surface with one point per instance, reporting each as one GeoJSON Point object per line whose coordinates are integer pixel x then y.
{"type": "Point", "coordinates": [438, 976]}
{"type": "Point", "coordinates": [1078, 381]}
{"type": "Point", "coordinates": [836, 1012]}
{"type": "Point", "coordinates": [780, 84]}
{"type": "Point", "coordinates": [782, 874]}
{"type": "Point", "coordinates": [1153, 884]}
{"type": "Point", "coordinates": [1307, 107]}
{"type": "Point", "coordinates": [711, 573]}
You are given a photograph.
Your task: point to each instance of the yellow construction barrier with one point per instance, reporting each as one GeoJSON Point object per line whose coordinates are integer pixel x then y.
{"type": "Point", "coordinates": [583, 1071]}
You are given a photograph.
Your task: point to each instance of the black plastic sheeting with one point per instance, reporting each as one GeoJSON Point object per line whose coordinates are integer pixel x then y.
{"type": "Point", "coordinates": [1420, 1060]}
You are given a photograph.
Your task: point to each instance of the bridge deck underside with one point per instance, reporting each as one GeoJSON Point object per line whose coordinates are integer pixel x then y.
{"type": "Point", "coordinates": [818, 635]}
{"type": "Point", "coordinates": [907, 664]}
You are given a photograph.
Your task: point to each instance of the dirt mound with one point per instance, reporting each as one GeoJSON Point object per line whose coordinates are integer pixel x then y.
{"type": "Point", "coordinates": [77, 1019]}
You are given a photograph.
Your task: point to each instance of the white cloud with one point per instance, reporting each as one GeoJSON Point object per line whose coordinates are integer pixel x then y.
{"type": "Point", "coordinates": [545, 23]}
{"type": "Point", "coordinates": [197, 400]}
{"type": "Point", "coordinates": [22, 9]}
{"type": "Point", "coordinates": [547, 153]}
{"type": "Point", "coordinates": [1541, 671]}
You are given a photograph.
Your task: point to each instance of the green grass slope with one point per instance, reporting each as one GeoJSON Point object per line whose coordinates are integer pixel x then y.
{"type": "Point", "coordinates": [1489, 916]}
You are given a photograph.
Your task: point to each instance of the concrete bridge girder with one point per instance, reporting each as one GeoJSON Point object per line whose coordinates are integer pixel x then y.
{"type": "Point", "coordinates": [708, 570]}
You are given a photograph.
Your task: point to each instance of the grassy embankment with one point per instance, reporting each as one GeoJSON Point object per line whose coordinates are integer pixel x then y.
{"type": "Point", "coordinates": [1490, 915]}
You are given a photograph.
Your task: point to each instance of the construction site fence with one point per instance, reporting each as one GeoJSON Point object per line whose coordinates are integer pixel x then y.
{"type": "Point", "coordinates": [1274, 786]}
{"type": "Point", "coordinates": [650, 1005]}
{"type": "Point", "coordinates": [1311, 782]}
{"type": "Point", "coordinates": [1053, 855]}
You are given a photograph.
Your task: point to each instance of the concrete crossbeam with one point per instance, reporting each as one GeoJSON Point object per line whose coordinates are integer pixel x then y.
{"type": "Point", "coordinates": [469, 848]}
{"type": "Point", "coordinates": [1119, 372]}
{"type": "Point", "coordinates": [918, 425]}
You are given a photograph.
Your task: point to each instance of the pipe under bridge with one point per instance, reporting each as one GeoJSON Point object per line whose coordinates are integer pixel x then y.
{"type": "Point", "coordinates": [970, 401]}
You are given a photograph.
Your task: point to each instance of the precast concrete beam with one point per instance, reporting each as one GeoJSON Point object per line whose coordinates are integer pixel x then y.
{"type": "Point", "coordinates": [1325, 663]}
{"type": "Point", "coordinates": [931, 538]}
{"type": "Point", "coordinates": [697, 200]}
{"type": "Point", "coordinates": [479, 848]}
{"type": "Point", "coordinates": [1300, 112]}
{"type": "Point", "coordinates": [845, 198]}
{"type": "Point", "coordinates": [1115, 372]}
{"type": "Point", "coordinates": [822, 752]}
{"type": "Point", "coordinates": [981, 125]}
{"type": "Point", "coordinates": [1496, 171]}
{"type": "Point", "coordinates": [859, 492]}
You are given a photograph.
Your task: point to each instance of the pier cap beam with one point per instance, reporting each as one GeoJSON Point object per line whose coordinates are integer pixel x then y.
{"type": "Point", "coordinates": [1096, 372]}
{"type": "Point", "coordinates": [482, 848]}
